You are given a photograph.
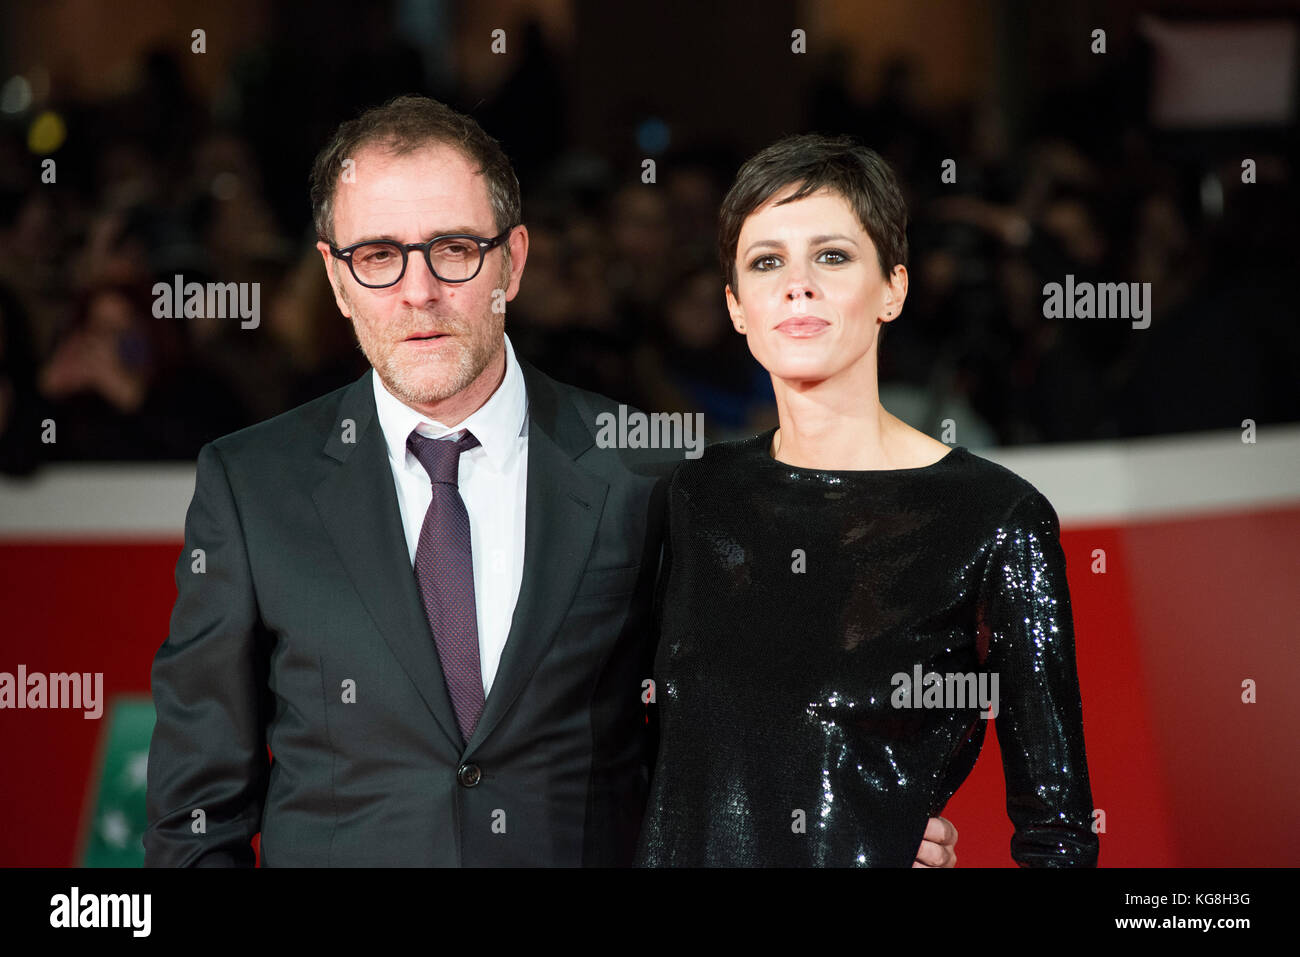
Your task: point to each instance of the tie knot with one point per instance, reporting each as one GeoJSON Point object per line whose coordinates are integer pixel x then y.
{"type": "Point", "coordinates": [440, 457]}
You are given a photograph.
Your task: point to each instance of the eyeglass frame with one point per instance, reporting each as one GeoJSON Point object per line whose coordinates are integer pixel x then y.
{"type": "Point", "coordinates": [484, 244]}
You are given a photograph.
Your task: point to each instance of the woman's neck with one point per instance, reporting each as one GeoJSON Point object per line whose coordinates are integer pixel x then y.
{"type": "Point", "coordinates": [836, 424]}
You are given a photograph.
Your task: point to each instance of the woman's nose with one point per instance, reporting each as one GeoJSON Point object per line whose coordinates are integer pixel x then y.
{"type": "Point", "coordinates": [799, 289]}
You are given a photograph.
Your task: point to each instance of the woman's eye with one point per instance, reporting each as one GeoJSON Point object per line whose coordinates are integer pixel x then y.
{"type": "Point", "coordinates": [764, 263]}
{"type": "Point", "coordinates": [836, 257]}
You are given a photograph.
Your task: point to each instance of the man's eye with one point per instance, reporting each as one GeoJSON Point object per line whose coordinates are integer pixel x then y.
{"type": "Point", "coordinates": [765, 263]}
{"type": "Point", "coordinates": [375, 256]}
{"type": "Point", "coordinates": [454, 249]}
{"type": "Point", "coordinates": [837, 257]}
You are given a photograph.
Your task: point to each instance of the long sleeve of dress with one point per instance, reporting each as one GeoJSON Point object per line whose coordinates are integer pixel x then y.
{"type": "Point", "coordinates": [1025, 609]}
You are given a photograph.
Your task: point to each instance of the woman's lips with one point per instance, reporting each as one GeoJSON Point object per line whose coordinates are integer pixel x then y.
{"type": "Point", "coordinates": [803, 327]}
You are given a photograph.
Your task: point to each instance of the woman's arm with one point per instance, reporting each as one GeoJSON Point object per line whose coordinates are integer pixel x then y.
{"type": "Point", "coordinates": [1025, 607]}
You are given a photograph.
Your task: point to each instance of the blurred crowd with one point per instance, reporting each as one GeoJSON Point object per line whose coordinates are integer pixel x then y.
{"type": "Point", "coordinates": [622, 293]}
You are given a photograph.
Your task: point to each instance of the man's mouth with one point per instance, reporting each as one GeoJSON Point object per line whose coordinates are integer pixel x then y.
{"type": "Point", "coordinates": [424, 336]}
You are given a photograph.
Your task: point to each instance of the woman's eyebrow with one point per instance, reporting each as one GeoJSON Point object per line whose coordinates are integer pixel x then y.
{"type": "Point", "coordinates": [766, 243]}
{"type": "Point", "coordinates": [814, 241]}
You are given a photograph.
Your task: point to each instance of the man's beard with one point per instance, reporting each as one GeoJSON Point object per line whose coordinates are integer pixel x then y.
{"type": "Point", "coordinates": [474, 345]}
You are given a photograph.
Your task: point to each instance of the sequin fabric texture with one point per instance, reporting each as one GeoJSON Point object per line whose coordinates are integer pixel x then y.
{"type": "Point", "coordinates": [792, 601]}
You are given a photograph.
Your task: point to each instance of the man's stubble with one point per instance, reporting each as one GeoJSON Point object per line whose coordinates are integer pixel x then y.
{"type": "Point", "coordinates": [478, 341]}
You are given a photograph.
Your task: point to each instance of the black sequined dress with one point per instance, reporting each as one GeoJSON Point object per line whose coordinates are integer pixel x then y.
{"type": "Point", "coordinates": [792, 603]}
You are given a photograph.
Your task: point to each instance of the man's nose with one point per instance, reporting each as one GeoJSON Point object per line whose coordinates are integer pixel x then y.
{"type": "Point", "coordinates": [419, 284]}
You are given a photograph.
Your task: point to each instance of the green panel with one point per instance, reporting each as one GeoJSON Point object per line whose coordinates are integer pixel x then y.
{"type": "Point", "coordinates": [119, 820]}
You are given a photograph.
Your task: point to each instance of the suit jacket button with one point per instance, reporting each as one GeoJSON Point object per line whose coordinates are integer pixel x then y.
{"type": "Point", "coordinates": [468, 775]}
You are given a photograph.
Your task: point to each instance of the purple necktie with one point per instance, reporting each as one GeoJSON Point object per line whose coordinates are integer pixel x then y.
{"type": "Point", "coordinates": [445, 571]}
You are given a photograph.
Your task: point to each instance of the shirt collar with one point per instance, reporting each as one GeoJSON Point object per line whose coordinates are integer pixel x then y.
{"type": "Point", "coordinates": [497, 423]}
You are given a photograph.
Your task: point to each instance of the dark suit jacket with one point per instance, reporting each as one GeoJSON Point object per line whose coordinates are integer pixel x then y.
{"type": "Point", "coordinates": [307, 590]}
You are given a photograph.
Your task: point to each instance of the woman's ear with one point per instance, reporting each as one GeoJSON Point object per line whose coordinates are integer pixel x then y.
{"type": "Point", "coordinates": [895, 294]}
{"type": "Point", "coordinates": [736, 309]}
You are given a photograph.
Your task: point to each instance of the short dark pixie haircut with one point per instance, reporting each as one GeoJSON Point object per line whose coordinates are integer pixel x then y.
{"type": "Point", "coordinates": [403, 125]}
{"type": "Point", "coordinates": [814, 162]}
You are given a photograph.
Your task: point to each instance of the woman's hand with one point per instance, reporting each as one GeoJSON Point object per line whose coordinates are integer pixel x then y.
{"type": "Point", "coordinates": [937, 844]}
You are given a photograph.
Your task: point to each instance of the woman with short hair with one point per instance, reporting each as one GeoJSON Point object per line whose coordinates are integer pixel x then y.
{"type": "Point", "coordinates": [847, 601]}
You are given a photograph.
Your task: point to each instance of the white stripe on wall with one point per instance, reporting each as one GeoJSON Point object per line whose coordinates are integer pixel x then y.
{"type": "Point", "coordinates": [1160, 478]}
{"type": "Point", "coordinates": [1088, 483]}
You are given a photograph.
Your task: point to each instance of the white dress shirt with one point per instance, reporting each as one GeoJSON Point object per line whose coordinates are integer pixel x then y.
{"type": "Point", "coordinates": [493, 485]}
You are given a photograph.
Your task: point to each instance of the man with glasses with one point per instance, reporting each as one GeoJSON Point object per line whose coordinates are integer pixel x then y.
{"type": "Point", "coordinates": [477, 697]}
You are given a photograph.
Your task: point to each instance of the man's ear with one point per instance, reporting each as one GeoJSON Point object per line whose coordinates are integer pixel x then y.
{"type": "Point", "coordinates": [736, 310]}
{"type": "Point", "coordinates": [518, 243]}
{"type": "Point", "coordinates": [336, 283]}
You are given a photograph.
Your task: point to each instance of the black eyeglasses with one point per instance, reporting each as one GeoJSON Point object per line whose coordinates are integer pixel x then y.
{"type": "Point", "coordinates": [377, 264]}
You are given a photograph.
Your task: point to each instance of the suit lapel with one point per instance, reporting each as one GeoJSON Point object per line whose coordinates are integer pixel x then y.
{"type": "Point", "coordinates": [562, 512]}
{"type": "Point", "coordinates": [357, 503]}
{"type": "Point", "coordinates": [358, 507]}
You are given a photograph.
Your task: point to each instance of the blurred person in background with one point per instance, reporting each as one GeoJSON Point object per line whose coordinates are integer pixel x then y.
{"type": "Point", "coordinates": [692, 361]}
{"type": "Point", "coordinates": [316, 350]}
{"type": "Point", "coordinates": [20, 446]}
{"type": "Point", "coordinates": [121, 385]}
{"type": "Point", "coordinates": [564, 318]}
